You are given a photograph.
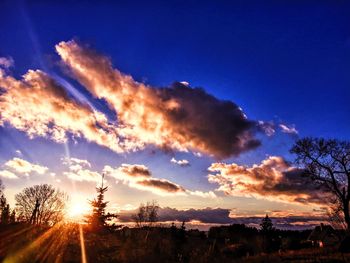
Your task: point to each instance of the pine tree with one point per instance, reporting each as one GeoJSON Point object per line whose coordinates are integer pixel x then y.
{"type": "Point", "coordinates": [98, 219]}
{"type": "Point", "coordinates": [266, 225]}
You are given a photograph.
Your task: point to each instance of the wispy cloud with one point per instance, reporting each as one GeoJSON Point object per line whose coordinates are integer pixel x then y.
{"type": "Point", "coordinates": [6, 62]}
{"type": "Point", "coordinates": [182, 162]}
{"type": "Point", "coordinates": [24, 167]}
{"type": "Point", "coordinates": [79, 170]}
{"type": "Point", "coordinates": [290, 129]}
{"type": "Point", "coordinates": [8, 174]}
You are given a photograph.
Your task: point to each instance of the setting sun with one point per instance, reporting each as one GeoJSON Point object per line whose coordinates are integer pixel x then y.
{"type": "Point", "coordinates": [77, 210]}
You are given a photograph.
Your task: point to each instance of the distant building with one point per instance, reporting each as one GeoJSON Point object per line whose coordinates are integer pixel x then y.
{"type": "Point", "coordinates": [324, 236]}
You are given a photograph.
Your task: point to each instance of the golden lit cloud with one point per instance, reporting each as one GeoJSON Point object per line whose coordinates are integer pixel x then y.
{"type": "Point", "coordinates": [38, 106]}
{"type": "Point", "coordinates": [8, 174]}
{"type": "Point", "coordinates": [24, 167]}
{"type": "Point", "coordinates": [273, 179]}
{"type": "Point", "coordinates": [179, 117]}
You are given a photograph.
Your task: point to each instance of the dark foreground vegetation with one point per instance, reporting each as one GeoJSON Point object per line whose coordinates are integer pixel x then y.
{"type": "Point", "coordinates": [236, 243]}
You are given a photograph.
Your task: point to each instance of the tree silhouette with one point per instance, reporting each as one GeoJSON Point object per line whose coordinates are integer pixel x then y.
{"type": "Point", "coordinates": [98, 219]}
{"type": "Point", "coordinates": [41, 204]}
{"type": "Point", "coordinates": [327, 163]}
{"type": "Point", "coordinates": [266, 225]}
{"type": "Point", "coordinates": [146, 214]}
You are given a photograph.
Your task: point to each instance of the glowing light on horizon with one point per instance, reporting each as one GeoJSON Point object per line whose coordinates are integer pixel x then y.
{"type": "Point", "coordinates": [77, 210]}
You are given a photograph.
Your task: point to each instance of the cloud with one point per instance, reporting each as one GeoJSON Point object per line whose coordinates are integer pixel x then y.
{"type": "Point", "coordinates": [273, 179]}
{"type": "Point", "coordinates": [221, 216]}
{"type": "Point", "coordinates": [205, 215]}
{"type": "Point", "coordinates": [267, 127]}
{"type": "Point", "coordinates": [39, 106]}
{"type": "Point", "coordinates": [84, 175]}
{"type": "Point", "coordinates": [180, 162]}
{"type": "Point", "coordinates": [140, 177]}
{"type": "Point", "coordinates": [290, 129]}
{"type": "Point", "coordinates": [79, 170]}
{"type": "Point", "coordinates": [24, 167]}
{"type": "Point", "coordinates": [6, 62]}
{"type": "Point", "coordinates": [209, 194]}
{"type": "Point", "coordinates": [178, 117]}
{"type": "Point", "coordinates": [76, 161]}
{"type": "Point", "coordinates": [162, 185]}
{"type": "Point", "coordinates": [8, 174]}
{"type": "Point", "coordinates": [134, 170]}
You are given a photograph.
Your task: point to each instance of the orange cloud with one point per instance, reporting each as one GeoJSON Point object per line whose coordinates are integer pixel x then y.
{"type": "Point", "coordinates": [24, 167]}
{"type": "Point", "coordinates": [140, 177]}
{"type": "Point", "coordinates": [39, 106]}
{"type": "Point", "coordinates": [179, 117]}
{"type": "Point", "coordinates": [273, 179]}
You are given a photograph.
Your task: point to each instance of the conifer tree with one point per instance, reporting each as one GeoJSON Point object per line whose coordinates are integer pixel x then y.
{"type": "Point", "coordinates": [266, 225]}
{"type": "Point", "coordinates": [98, 219]}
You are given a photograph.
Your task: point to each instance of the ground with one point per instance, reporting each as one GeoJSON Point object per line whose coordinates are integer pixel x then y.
{"type": "Point", "coordinates": [64, 242]}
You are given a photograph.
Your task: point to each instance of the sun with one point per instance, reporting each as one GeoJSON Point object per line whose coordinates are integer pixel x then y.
{"type": "Point", "coordinates": [77, 210]}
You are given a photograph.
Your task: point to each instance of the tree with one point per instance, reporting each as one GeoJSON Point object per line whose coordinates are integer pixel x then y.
{"type": "Point", "coordinates": [98, 219]}
{"type": "Point", "coordinates": [13, 216]}
{"type": "Point", "coordinates": [5, 214]}
{"type": "Point", "coordinates": [41, 204]}
{"type": "Point", "coordinates": [4, 207]}
{"type": "Point", "coordinates": [146, 214]}
{"type": "Point", "coordinates": [266, 225]}
{"type": "Point", "coordinates": [327, 163]}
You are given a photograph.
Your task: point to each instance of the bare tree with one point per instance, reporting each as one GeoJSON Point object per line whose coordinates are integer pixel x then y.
{"type": "Point", "coordinates": [4, 206]}
{"type": "Point", "coordinates": [41, 204]}
{"type": "Point", "coordinates": [327, 162]}
{"type": "Point", "coordinates": [146, 214]}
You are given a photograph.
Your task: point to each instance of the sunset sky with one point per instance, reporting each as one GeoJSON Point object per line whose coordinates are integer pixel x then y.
{"type": "Point", "coordinates": [192, 104]}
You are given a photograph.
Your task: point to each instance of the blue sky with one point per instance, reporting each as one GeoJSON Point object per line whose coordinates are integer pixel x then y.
{"type": "Point", "coordinates": [282, 62]}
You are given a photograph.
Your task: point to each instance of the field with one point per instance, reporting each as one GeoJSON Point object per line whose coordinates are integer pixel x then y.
{"type": "Point", "coordinates": [76, 243]}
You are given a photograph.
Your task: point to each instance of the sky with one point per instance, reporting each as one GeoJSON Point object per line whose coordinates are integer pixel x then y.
{"type": "Point", "coordinates": [195, 104]}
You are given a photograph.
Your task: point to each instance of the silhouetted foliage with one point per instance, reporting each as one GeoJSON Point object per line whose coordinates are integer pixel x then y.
{"type": "Point", "coordinates": [13, 216]}
{"type": "Point", "coordinates": [5, 214]}
{"type": "Point", "coordinates": [98, 219]}
{"type": "Point", "coordinates": [327, 163]}
{"type": "Point", "coordinates": [266, 225]}
{"type": "Point", "coordinates": [146, 214]}
{"type": "Point", "coordinates": [41, 204]}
